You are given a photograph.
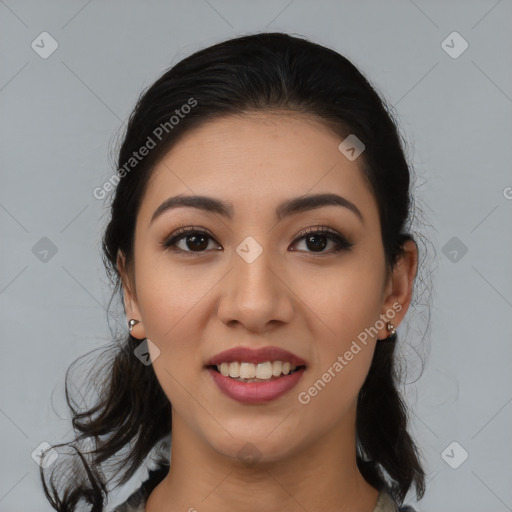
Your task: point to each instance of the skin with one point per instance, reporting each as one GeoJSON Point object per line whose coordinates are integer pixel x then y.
{"type": "Point", "coordinates": [194, 305]}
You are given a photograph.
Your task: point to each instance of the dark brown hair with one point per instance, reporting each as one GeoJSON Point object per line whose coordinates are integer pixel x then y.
{"type": "Point", "coordinates": [260, 72]}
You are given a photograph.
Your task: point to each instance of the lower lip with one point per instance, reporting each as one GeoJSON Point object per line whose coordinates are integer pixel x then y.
{"type": "Point", "coordinates": [256, 392]}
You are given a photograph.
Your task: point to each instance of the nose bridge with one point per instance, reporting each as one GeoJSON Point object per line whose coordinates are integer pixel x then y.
{"type": "Point", "coordinates": [254, 295]}
{"type": "Point", "coordinates": [253, 274]}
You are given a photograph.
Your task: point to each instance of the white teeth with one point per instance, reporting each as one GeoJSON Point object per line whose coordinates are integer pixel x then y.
{"type": "Point", "coordinates": [224, 369]}
{"type": "Point", "coordinates": [264, 370]}
{"type": "Point", "coordinates": [234, 369]}
{"type": "Point", "coordinates": [261, 371]}
{"type": "Point", "coordinates": [247, 370]}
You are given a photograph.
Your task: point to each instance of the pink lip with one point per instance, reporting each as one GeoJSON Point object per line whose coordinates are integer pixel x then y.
{"type": "Point", "coordinates": [255, 392]}
{"type": "Point", "coordinates": [251, 355]}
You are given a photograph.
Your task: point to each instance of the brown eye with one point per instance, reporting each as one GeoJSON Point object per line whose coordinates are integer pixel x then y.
{"type": "Point", "coordinates": [194, 240]}
{"type": "Point", "coordinates": [316, 240]}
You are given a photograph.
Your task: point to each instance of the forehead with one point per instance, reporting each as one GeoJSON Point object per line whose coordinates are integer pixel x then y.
{"type": "Point", "coordinates": [257, 161]}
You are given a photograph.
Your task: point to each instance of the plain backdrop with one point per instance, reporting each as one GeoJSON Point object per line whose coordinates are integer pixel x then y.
{"type": "Point", "coordinates": [61, 112]}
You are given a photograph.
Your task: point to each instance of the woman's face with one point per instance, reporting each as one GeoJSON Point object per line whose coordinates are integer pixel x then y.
{"type": "Point", "coordinates": [256, 280]}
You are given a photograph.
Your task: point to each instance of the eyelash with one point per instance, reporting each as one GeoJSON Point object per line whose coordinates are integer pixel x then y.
{"type": "Point", "coordinates": [342, 243]}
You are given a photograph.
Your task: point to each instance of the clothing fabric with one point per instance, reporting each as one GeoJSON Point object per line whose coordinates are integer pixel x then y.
{"type": "Point", "coordinates": [137, 500]}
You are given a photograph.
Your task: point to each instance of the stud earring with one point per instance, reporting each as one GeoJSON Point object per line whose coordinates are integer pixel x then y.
{"type": "Point", "coordinates": [133, 323]}
{"type": "Point", "coordinates": [392, 333]}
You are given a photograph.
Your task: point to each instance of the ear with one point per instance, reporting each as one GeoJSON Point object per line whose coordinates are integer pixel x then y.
{"type": "Point", "coordinates": [398, 290]}
{"type": "Point", "coordinates": [129, 296]}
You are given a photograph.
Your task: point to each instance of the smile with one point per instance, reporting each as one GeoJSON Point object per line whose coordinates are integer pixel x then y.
{"type": "Point", "coordinates": [250, 372]}
{"type": "Point", "coordinates": [254, 390]}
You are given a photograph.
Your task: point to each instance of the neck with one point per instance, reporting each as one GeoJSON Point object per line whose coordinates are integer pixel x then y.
{"type": "Point", "coordinates": [320, 476]}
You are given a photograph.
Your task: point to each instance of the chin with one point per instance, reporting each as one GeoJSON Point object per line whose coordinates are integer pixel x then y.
{"type": "Point", "coordinates": [251, 449]}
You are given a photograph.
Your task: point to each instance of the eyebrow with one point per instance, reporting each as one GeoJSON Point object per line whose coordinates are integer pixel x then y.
{"type": "Point", "coordinates": [287, 208]}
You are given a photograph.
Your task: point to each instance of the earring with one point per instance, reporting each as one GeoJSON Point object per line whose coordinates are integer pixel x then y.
{"type": "Point", "coordinates": [132, 323]}
{"type": "Point", "coordinates": [392, 333]}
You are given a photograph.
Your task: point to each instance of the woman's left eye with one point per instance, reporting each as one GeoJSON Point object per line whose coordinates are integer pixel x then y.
{"type": "Point", "coordinates": [316, 236]}
{"type": "Point", "coordinates": [197, 240]}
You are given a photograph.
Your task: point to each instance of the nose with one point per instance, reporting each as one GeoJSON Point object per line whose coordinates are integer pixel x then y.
{"type": "Point", "coordinates": [256, 294]}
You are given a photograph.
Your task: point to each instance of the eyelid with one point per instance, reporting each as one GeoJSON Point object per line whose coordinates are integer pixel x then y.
{"type": "Point", "coordinates": [316, 229]}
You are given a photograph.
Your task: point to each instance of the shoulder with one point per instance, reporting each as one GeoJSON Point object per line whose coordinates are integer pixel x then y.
{"type": "Point", "coordinates": [136, 502]}
{"type": "Point", "coordinates": [386, 503]}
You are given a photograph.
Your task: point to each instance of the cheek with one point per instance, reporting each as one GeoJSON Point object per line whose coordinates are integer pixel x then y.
{"type": "Point", "coordinates": [341, 361]}
{"type": "Point", "coordinates": [331, 393]}
{"type": "Point", "coordinates": [168, 298]}
{"type": "Point", "coordinates": [343, 300]}
{"type": "Point", "coordinates": [170, 304]}
{"type": "Point", "coordinates": [342, 306]}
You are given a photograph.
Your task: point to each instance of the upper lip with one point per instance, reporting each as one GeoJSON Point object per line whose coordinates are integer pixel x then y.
{"type": "Point", "coordinates": [251, 355]}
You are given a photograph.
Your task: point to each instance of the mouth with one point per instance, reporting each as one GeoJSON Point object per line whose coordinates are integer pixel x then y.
{"type": "Point", "coordinates": [253, 376]}
{"type": "Point", "coordinates": [252, 389]}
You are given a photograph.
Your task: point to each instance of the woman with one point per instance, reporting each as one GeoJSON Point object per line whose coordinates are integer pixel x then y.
{"type": "Point", "coordinates": [258, 235]}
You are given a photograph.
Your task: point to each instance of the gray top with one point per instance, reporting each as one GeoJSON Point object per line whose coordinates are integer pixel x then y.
{"type": "Point", "coordinates": [137, 501]}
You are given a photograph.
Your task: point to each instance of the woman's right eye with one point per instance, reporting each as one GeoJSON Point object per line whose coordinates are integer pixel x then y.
{"type": "Point", "coordinates": [192, 240]}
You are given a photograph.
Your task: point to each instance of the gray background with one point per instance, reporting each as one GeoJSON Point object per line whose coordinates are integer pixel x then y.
{"type": "Point", "coordinates": [61, 115]}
